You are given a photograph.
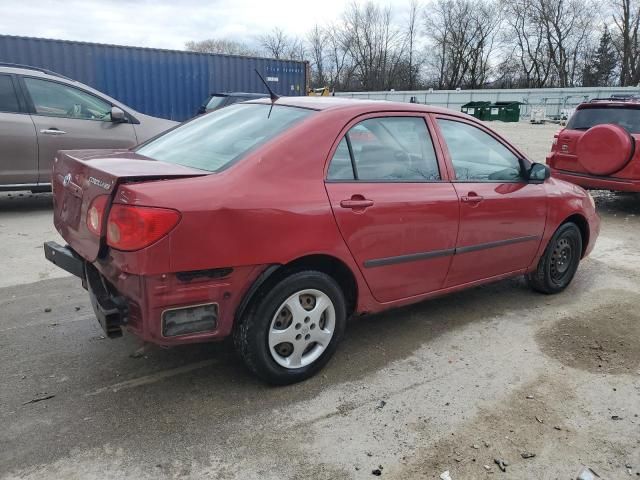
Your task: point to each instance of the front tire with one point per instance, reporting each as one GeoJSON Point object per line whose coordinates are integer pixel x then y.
{"type": "Point", "coordinates": [291, 331]}
{"type": "Point", "coordinates": [560, 260]}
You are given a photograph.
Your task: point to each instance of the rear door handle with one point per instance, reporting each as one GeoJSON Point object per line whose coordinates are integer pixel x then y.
{"type": "Point", "coordinates": [52, 131]}
{"type": "Point", "coordinates": [472, 198]}
{"type": "Point", "coordinates": [356, 203]}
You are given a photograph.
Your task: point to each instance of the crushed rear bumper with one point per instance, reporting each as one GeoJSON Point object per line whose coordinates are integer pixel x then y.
{"type": "Point", "coordinates": [111, 309]}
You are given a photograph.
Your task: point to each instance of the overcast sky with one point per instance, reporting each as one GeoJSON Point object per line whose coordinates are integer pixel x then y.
{"type": "Point", "coordinates": [163, 23]}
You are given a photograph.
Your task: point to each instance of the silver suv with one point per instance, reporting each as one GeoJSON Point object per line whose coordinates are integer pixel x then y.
{"type": "Point", "coordinates": [42, 112]}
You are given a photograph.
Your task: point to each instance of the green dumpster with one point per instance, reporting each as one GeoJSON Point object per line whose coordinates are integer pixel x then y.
{"type": "Point", "coordinates": [504, 111]}
{"type": "Point", "coordinates": [479, 110]}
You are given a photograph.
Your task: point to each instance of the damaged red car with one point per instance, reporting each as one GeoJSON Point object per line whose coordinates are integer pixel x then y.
{"type": "Point", "coordinates": [275, 222]}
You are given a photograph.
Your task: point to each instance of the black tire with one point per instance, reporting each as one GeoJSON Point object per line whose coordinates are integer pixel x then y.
{"type": "Point", "coordinates": [251, 334]}
{"type": "Point", "coordinates": [560, 260]}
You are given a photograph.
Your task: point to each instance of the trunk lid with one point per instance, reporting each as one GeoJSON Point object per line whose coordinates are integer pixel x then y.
{"type": "Point", "coordinates": [80, 176]}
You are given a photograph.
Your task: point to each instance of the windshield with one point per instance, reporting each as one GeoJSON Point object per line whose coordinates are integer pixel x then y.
{"type": "Point", "coordinates": [215, 102]}
{"type": "Point", "coordinates": [216, 140]}
{"type": "Point", "coordinates": [627, 118]}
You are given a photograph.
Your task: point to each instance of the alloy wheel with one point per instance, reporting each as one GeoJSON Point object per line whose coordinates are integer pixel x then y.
{"type": "Point", "coordinates": [301, 328]}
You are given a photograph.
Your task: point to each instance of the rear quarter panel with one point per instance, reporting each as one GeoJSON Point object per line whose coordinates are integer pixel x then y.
{"type": "Point", "coordinates": [269, 208]}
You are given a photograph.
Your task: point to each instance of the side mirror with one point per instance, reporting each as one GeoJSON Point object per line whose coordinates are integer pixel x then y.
{"type": "Point", "coordinates": [539, 172]}
{"type": "Point", "coordinates": [118, 115]}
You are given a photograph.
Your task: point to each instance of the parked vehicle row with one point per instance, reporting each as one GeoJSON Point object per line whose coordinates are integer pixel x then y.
{"type": "Point", "coordinates": [42, 112]}
{"type": "Point", "coordinates": [275, 221]}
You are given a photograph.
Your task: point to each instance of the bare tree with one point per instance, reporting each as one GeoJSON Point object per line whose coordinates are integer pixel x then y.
{"type": "Point", "coordinates": [462, 35]}
{"type": "Point", "coordinates": [412, 34]}
{"type": "Point", "coordinates": [274, 43]}
{"type": "Point", "coordinates": [529, 50]}
{"type": "Point", "coordinates": [553, 39]}
{"type": "Point", "coordinates": [221, 46]}
{"type": "Point", "coordinates": [626, 16]}
{"type": "Point", "coordinates": [375, 45]}
{"type": "Point", "coordinates": [278, 44]}
{"type": "Point", "coordinates": [317, 41]}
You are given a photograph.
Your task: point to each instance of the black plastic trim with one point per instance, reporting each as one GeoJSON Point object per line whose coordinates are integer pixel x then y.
{"type": "Point", "coordinates": [414, 257]}
{"type": "Point", "coordinates": [595, 177]}
{"type": "Point", "coordinates": [499, 243]}
{"type": "Point", "coordinates": [65, 258]}
{"type": "Point", "coordinates": [257, 283]}
{"type": "Point", "coordinates": [411, 257]}
{"type": "Point", "coordinates": [209, 273]}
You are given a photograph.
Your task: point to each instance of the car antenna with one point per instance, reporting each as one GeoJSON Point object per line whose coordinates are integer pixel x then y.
{"type": "Point", "coordinates": [272, 94]}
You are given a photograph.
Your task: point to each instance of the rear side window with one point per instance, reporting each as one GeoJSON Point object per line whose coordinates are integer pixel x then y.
{"type": "Point", "coordinates": [477, 156]}
{"type": "Point", "coordinates": [8, 97]}
{"type": "Point", "coordinates": [585, 118]}
{"type": "Point", "coordinates": [216, 102]}
{"type": "Point", "coordinates": [386, 149]}
{"type": "Point", "coordinates": [216, 140]}
{"type": "Point", "coordinates": [59, 100]}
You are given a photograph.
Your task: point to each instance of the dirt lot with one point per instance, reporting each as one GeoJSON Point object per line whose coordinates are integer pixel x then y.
{"type": "Point", "coordinates": [449, 384]}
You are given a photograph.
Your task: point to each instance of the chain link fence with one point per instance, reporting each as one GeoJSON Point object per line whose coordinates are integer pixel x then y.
{"type": "Point", "coordinates": [554, 101]}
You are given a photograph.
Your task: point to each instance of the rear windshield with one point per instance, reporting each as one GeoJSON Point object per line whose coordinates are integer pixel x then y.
{"type": "Point", "coordinates": [584, 119]}
{"type": "Point", "coordinates": [216, 140]}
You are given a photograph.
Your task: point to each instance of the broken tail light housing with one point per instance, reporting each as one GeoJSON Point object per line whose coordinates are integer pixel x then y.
{"type": "Point", "coordinates": [95, 214]}
{"type": "Point", "coordinates": [191, 319]}
{"type": "Point", "coordinates": [131, 227]}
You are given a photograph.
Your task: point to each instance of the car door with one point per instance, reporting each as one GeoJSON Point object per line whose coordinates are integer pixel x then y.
{"type": "Point", "coordinates": [393, 204]}
{"type": "Point", "coordinates": [502, 216]}
{"type": "Point", "coordinates": [68, 118]}
{"type": "Point", "coordinates": [18, 142]}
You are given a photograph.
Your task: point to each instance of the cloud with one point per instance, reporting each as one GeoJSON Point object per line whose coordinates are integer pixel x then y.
{"type": "Point", "coordinates": [162, 23]}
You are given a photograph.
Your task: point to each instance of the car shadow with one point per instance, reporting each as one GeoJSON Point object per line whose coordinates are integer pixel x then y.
{"type": "Point", "coordinates": [203, 389]}
{"type": "Point", "coordinates": [25, 202]}
{"type": "Point", "coordinates": [617, 202]}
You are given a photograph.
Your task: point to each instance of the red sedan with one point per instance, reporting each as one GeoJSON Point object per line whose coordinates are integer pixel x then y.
{"type": "Point", "coordinates": [274, 223]}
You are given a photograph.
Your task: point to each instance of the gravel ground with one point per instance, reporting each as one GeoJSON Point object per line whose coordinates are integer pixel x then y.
{"type": "Point", "coordinates": [446, 385]}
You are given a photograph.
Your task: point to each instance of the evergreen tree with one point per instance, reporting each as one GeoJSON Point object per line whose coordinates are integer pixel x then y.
{"type": "Point", "coordinates": [600, 67]}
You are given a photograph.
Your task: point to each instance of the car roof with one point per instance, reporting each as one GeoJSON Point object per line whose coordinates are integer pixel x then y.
{"type": "Point", "coordinates": [19, 69]}
{"type": "Point", "coordinates": [357, 105]}
{"type": "Point", "coordinates": [629, 101]}
{"type": "Point", "coordinates": [240, 94]}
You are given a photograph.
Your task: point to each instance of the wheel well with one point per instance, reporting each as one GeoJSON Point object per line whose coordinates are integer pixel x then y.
{"type": "Point", "coordinates": [583, 225]}
{"type": "Point", "coordinates": [327, 264]}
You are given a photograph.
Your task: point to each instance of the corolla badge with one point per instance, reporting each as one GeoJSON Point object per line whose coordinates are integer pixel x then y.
{"type": "Point", "coordinates": [100, 183]}
{"type": "Point", "coordinates": [66, 180]}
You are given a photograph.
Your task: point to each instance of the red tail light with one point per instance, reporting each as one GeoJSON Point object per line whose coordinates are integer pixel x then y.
{"type": "Point", "coordinates": [132, 227]}
{"type": "Point", "coordinates": [95, 214]}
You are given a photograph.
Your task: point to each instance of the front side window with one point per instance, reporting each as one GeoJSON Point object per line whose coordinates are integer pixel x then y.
{"type": "Point", "coordinates": [216, 140]}
{"type": "Point", "coordinates": [8, 97]}
{"type": "Point", "coordinates": [477, 156]}
{"type": "Point", "coordinates": [386, 149]}
{"type": "Point", "coordinates": [60, 100]}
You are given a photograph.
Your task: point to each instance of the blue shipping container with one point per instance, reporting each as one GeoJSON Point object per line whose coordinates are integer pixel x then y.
{"type": "Point", "coordinates": [164, 83]}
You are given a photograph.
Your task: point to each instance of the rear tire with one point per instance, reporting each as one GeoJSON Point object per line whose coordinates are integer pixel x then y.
{"type": "Point", "coordinates": [289, 332]}
{"type": "Point", "coordinates": [560, 260]}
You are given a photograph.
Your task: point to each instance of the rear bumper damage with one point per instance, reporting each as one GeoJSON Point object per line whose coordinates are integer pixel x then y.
{"type": "Point", "coordinates": [167, 309]}
{"type": "Point", "coordinates": [111, 309]}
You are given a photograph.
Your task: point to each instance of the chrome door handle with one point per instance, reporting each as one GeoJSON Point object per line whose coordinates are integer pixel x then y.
{"type": "Point", "coordinates": [472, 197]}
{"type": "Point", "coordinates": [52, 131]}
